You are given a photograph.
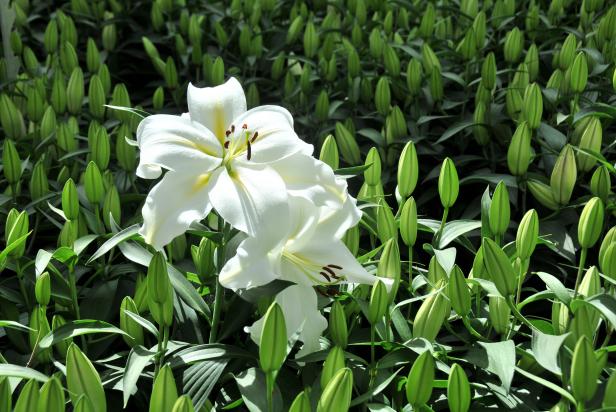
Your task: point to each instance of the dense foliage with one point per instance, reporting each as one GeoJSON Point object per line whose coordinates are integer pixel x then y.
{"type": "Point", "coordinates": [476, 135]}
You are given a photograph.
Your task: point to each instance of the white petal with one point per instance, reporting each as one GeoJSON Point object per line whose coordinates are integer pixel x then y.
{"type": "Point", "coordinates": [275, 138]}
{"type": "Point", "coordinates": [312, 179]}
{"type": "Point", "coordinates": [333, 223]}
{"type": "Point", "coordinates": [299, 305]}
{"type": "Point", "coordinates": [253, 200]}
{"type": "Point", "coordinates": [172, 205]}
{"type": "Point", "coordinates": [252, 266]}
{"type": "Point", "coordinates": [216, 107]}
{"type": "Point", "coordinates": [175, 143]}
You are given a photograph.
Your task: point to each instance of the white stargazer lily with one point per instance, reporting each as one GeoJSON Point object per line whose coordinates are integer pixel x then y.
{"type": "Point", "coordinates": [311, 253]}
{"type": "Point", "coordinates": [221, 156]}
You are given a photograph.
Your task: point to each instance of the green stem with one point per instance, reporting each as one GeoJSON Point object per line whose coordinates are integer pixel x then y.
{"type": "Point", "coordinates": [521, 276]}
{"type": "Point", "coordinates": [472, 330]}
{"type": "Point", "coordinates": [517, 314]}
{"type": "Point", "coordinates": [578, 278]}
{"type": "Point", "coordinates": [372, 334]}
{"type": "Point", "coordinates": [270, 379]}
{"type": "Point", "coordinates": [22, 286]}
{"type": "Point", "coordinates": [437, 237]}
{"type": "Point", "coordinates": [219, 290]}
{"type": "Point", "coordinates": [159, 351]}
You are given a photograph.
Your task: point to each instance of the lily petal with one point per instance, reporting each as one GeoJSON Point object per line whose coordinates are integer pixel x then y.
{"type": "Point", "coordinates": [251, 266]}
{"type": "Point", "coordinates": [216, 107]}
{"type": "Point", "coordinates": [299, 305]}
{"type": "Point", "coordinates": [252, 199]}
{"type": "Point", "coordinates": [177, 144]}
{"type": "Point", "coordinates": [172, 205]}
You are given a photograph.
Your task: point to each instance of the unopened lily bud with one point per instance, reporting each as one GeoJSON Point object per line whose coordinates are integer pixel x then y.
{"type": "Point", "coordinates": [273, 343]}
{"type": "Point", "coordinates": [579, 73]}
{"type": "Point", "coordinates": [128, 324]}
{"type": "Point", "coordinates": [351, 240]}
{"type": "Point", "coordinates": [591, 282]}
{"type": "Point", "coordinates": [218, 71]}
{"type": "Point", "coordinates": [11, 162]}
{"type": "Point", "coordinates": [160, 292]}
{"type": "Point", "coordinates": [68, 58]}
{"type": "Point", "coordinates": [468, 46]}
{"type": "Point", "coordinates": [408, 222]}
{"type": "Point", "coordinates": [311, 40]}
{"type": "Point", "coordinates": [322, 106]}
{"type": "Point", "coordinates": [68, 233]}
{"type": "Point", "coordinates": [93, 57]}
{"type": "Point", "coordinates": [164, 391]}
{"type": "Point", "coordinates": [527, 234]}
{"type": "Point", "coordinates": [379, 301]}
{"type": "Point", "coordinates": [518, 154]}
{"type": "Point", "coordinates": [11, 119]}
{"type": "Point", "coordinates": [171, 74]}
{"type": "Point", "coordinates": [533, 106]}
{"type": "Point", "coordinates": [39, 184]}
{"type": "Point", "coordinates": [600, 183]}
{"type": "Point", "coordinates": [591, 222]}
{"type": "Point", "coordinates": [567, 52]}
{"type": "Point", "coordinates": [391, 61]}
{"type": "Point", "coordinates": [532, 62]}
{"type": "Point", "coordinates": [500, 210]}
{"type": "Point", "coordinates": [50, 38]}
{"type": "Point", "coordinates": [329, 152]}
{"type": "Point", "coordinates": [514, 103]}
{"type": "Point", "coordinates": [96, 98]}
{"type": "Point", "coordinates": [480, 131]}
{"type": "Point", "coordinates": [295, 29]}
{"type": "Point", "coordinates": [52, 396]}
{"type": "Point", "coordinates": [125, 153]}
{"type": "Point", "coordinates": [408, 170]}
{"type": "Point", "coordinates": [42, 289]}
{"type": "Point", "coordinates": [560, 317]}
{"type": "Point", "coordinates": [436, 273]}
{"type": "Point", "coordinates": [479, 270]}
{"type": "Point", "coordinates": [333, 363]}
{"type": "Point", "coordinates": [372, 175]}
{"type": "Point", "coordinates": [426, 25]}
{"type": "Point", "coordinates": [338, 325]}
{"type": "Point", "coordinates": [564, 176]}
{"type": "Point", "coordinates": [75, 91]}
{"type": "Point", "coordinates": [65, 138]}
{"type": "Point", "coordinates": [111, 206]}
{"type": "Point", "coordinates": [100, 149]}
{"type": "Point", "coordinates": [608, 261]}
{"type": "Point", "coordinates": [183, 404]}
{"type": "Point", "coordinates": [420, 381]}
{"type": "Point", "coordinates": [591, 140]}
{"type": "Point", "coordinates": [448, 183]}
{"type": "Point", "coordinates": [385, 221]}
{"type": "Point", "coordinates": [39, 326]}
{"type": "Point", "coordinates": [514, 43]}
{"type": "Point", "coordinates": [48, 123]}
{"type": "Point", "coordinates": [70, 200]}
{"type": "Point", "coordinates": [382, 97]}
{"type": "Point", "coordinates": [414, 75]}
{"type": "Point", "coordinates": [498, 314]}
{"type": "Point", "coordinates": [337, 394]}
{"type": "Point", "coordinates": [389, 266]}
{"type": "Point", "coordinates": [221, 35]}
{"type": "Point", "coordinates": [375, 43]}
{"type": "Point", "coordinates": [436, 85]}
{"type": "Point", "coordinates": [204, 258]}
{"type": "Point", "coordinates": [93, 184]}
{"type": "Point", "coordinates": [156, 16]}
{"type": "Point", "coordinates": [16, 227]}
{"type": "Point", "coordinates": [347, 144]}
{"type": "Point", "coordinates": [498, 267]}
{"type": "Point", "coordinates": [301, 403]}
{"type": "Point", "coordinates": [488, 71]}
{"type": "Point", "coordinates": [479, 27]}
{"type": "Point", "coordinates": [431, 315]}
{"type": "Point", "coordinates": [429, 59]}
{"type": "Point", "coordinates": [58, 94]}
{"type": "Point", "coordinates": [28, 397]}
{"type": "Point", "coordinates": [458, 292]}
{"type": "Point", "coordinates": [35, 104]}
{"type": "Point", "coordinates": [110, 35]}
{"type": "Point", "coordinates": [543, 194]}
{"type": "Point", "coordinates": [584, 371]}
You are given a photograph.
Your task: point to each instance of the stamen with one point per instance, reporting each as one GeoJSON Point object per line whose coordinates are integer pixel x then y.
{"type": "Point", "coordinates": [248, 151]}
{"type": "Point", "coordinates": [254, 137]}
{"type": "Point", "coordinates": [232, 128]}
{"type": "Point", "coordinates": [244, 126]}
{"type": "Point", "coordinates": [325, 276]}
{"type": "Point", "coordinates": [328, 270]}
{"type": "Point", "coordinates": [227, 133]}
{"type": "Point", "coordinates": [335, 266]}
{"type": "Point", "coordinates": [226, 144]}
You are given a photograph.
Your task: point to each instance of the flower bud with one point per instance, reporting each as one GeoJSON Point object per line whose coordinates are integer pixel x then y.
{"type": "Point", "coordinates": [499, 314]}
{"type": "Point", "coordinates": [372, 175]}
{"type": "Point", "coordinates": [560, 317]}
{"type": "Point", "coordinates": [458, 390]}
{"type": "Point", "coordinates": [336, 397]}
{"type": "Point", "coordinates": [110, 35]}
{"type": "Point", "coordinates": [382, 97]}
{"type": "Point", "coordinates": [65, 138]}
{"type": "Point", "coordinates": [39, 327]}
{"type": "Point", "coordinates": [564, 176]}
{"type": "Point", "coordinates": [100, 148]}
{"type": "Point", "coordinates": [436, 85]}
{"type": "Point", "coordinates": [203, 257]}
{"type": "Point", "coordinates": [164, 391]}
{"type": "Point", "coordinates": [75, 91]}
{"type": "Point", "coordinates": [96, 98]}
{"type": "Point", "coordinates": [295, 29]}
{"type": "Point", "coordinates": [431, 315]}
{"type": "Point", "coordinates": [488, 71]}
{"type": "Point", "coordinates": [160, 292]}
{"type": "Point", "coordinates": [111, 206]}
{"type": "Point", "coordinates": [468, 45]}
{"type": "Point", "coordinates": [458, 292]}
{"type": "Point", "coordinates": [543, 194]}
{"type": "Point", "coordinates": [518, 154]}
{"type": "Point", "coordinates": [11, 119]}
{"type": "Point", "coordinates": [68, 233]}
{"type": "Point", "coordinates": [58, 93]}
{"type": "Point", "coordinates": [322, 106]}
{"type": "Point", "coordinates": [385, 221]}
{"type": "Point", "coordinates": [93, 184]}
{"type": "Point", "coordinates": [498, 267]}
{"type": "Point", "coordinates": [52, 396]}
{"type": "Point", "coordinates": [499, 210]}
{"type": "Point", "coordinates": [273, 343]}
{"type": "Point", "coordinates": [347, 144]}
{"type": "Point", "coordinates": [480, 130]}
{"type": "Point", "coordinates": [42, 289]}
{"type": "Point", "coordinates": [48, 123]}
{"type": "Point", "coordinates": [591, 140]}
{"type": "Point", "coordinates": [408, 170]}
{"type": "Point", "coordinates": [391, 61]}
{"type": "Point", "coordinates": [514, 43]}
{"type": "Point", "coordinates": [532, 62]}
{"type": "Point", "coordinates": [311, 40]}
{"type": "Point", "coordinates": [338, 325]}
{"type": "Point", "coordinates": [11, 162]}
{"type": "Point", "coordinates": [171, 74]}
{"type": "Point", "coordinates": [448, 183]}
{"type": "Point", "coordinates": [156, 16]}
{"type": "Point", "coordinates": [351, 239]}
{"type": "Point", "coordinates": [408, 222]}
{"type": "Point", "coordinates": [93, 57]}
{"type": "Point", "coordinates": [376, 43]}
{"type": "Point", "coordinates": [600, 183]}
{"type": "Point", "coordinates": [28, 397]}
{"type": "Point", "coordinates": [414, 76]}
{"type": "Point", "coordinates": [591, 222]}
{"type": "Point", "coordinates": [607, 261]}
{"type": "Point", "coordinates": [579, 73]}
{"type": "Point", "coordinates": [389, 265]}
{"type": "Point", "coordinates": [39, 185]}
{"type": "Point", "coordinates": [514, 103]}
{"type": "Point", "coordinates": [125, 153]}
{"type": "Point", "coordinates": [567, 52]}
{"type": "Point", "coordinates": [35, 104]}
{"type": "Point", "coordinates": [584, 371]}
{"type": "Point", "coordinates": [301, 403]}
{"type": "Point", "coordinates": [70, 200]}
{"type": "Point", "coordinates": [591, 282]}
{"type": "Point", "coordinates": [333, 363]}
{"type": "Point", "coordinates": [83, 379]}
{"type": "Point", "coordinates": [436, 273]}
{"type": "Point", "coordinates": [68, 58]}
{"type": "Point", "coordinates": [128, 324]}
{"type": "Point", "coordinates": [533, 106]}
{"type": "Point", "coordinates": [158, 100]}
{"type": "Point", "coordinates": [16, 227]}
{"type": "Point", "coordinates": [426, 25]}
{"type": "Point", "coordinates": [379, 301]}
{"type": "Point", "coordinates": [420, 381]}
{"type": "Point", "coordinates": [526, 237]}
{"type": "Point", "coordinates": [218, 71]}
{"type": "Point", "coordinates": [329, 152]}
{"type": "Point", "coordinates": [183, 404]}
{"type": "Point", "coordinates": [429, 59]}
{"type": "Point", "coordinates": [50, 38]}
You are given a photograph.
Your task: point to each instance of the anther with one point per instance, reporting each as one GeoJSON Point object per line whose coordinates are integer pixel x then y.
{"type": "Point", "coordinates": [329, 270]}
{"type": "Point", "coordinates": [335, 266]}
{"type": "Point", "coordinates": [226, 144]}
{"type": "Point", "coordinates": [254, 137]}
{"type": "Point", "coordinates": [227, 133]}
{"type": "Point", "coordinates": [248, 151]}
{"type": "Point", "coordinates": [325, 276]}
{"type": "Point", "coordinates": [244, 126]}
{"type": "Point", "coordinates": [232, 128]}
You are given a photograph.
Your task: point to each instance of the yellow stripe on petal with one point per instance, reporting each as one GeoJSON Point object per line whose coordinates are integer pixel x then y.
{"type": "Point", "coordinates": [220, 126]}
{"type": "Point", "coordinates": [201, 182]}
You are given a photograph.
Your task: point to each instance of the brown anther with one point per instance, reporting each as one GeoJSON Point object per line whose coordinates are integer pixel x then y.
{"type": "Point", "coordinates": [335, 266]}
{"type": "Point", "coordinates": [227, 133]}
{"type": "Point", "coordinates": [226, 144]}
{"type": "Point", "coordinates": [244, 126]}
{"type": "Point", "coordinates": [329, 270]}
{"type": "Point", "coordinates": [232, 128]}
{"type": "Point", "coordinates": [254, 137]}
{"type": "Point", "coordinates": [325, 276]}
{"type": "Point", "coordinates": [248, 151]}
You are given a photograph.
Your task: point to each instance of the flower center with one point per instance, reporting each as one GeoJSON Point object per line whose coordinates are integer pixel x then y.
{"type": "Point", "coordinates": [237, 145]}
{"type": "Point", "coordinates": [319, 275]}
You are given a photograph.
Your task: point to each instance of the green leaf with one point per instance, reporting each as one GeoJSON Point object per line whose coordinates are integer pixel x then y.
{"type": "Point", "coordinates": [556, 286]}
{"type": "Point", "coordinates": [605, 304]}
{"type": "Point", "coordinates": [455, 129]}
{"type": "Point", "coordinates": [199, 353]}
{"type": "Point", "coordinates": [375, 389]}
{"type": "Point", "coordinates": [455, 229]}
{"type": "Point", "coordinates": [17, 371]}
{"type": "Point", "coordinates": [200, 378]}
{"type": "Point", "coordinates": [138, 358]}
{"type": "Point", "coordinates": [119, 237]}
{"type": "Point", "coordinates": [500, 357]}
{"type": "Point", "coordinates": [545, 349]}
{"type": "Point", "coordinates": [352, 171]}
{"type": "Point", "coordinates": [14, 325]}
{"type": "Point", "coordinates": [562, 392]}
{"type": "Point", "coordinates": [149, 326]}
{"type": "Point", "coordinates": [251, 383]}
{"type": "Point", "coordinates": [76, 328]}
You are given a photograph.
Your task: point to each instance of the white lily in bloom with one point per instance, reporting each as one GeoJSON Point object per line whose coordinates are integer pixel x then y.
{"type": "Point", "coordinates": [311, 253]}
{"type": "Point", "coordinates": [221, 156]}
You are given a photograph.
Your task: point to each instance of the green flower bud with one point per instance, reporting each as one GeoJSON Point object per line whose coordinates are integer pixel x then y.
{"type": "Point", "coordinates": [469, 7]}
{"type": "Point", "coordinates": [273, 343]}
{"type": "Point", "coordinates": [389, 265]}
{"type": "Point", "coordinates": [431, 315]}
{"type": "Point", "coordinates": [480, 130]}
{"type": "Point", "coordinates": [183, 404]}
{"type": "Point", "coordinates": [301, 403]}
{"type": "Point", "coordinates": [120, 97]}
{"type": "Point", "coordinates": [50, 39]}
{"type": "Point", "coordinates": [39, 327]}
{"type": "Point", "coordinates": [160, 292]}
{"type": "Point", "coordinates": [591, 282]}
{"type": "Point", "coordinates": [65, 138]}
{"type": "Point", "coordinates": [584, 371]}
{"type": "Point", "coordinates": [171, 74]}
{"type": "Point", "coordinates": [51, 398]}
{"type": "Point", "coordinates": [218, 71]}
{"type": "Point", "coordinates": [338, 325]}
{"type": "Point", "coordinates": [39, 185]}
{"type": "Point", "coordinates": [351, 239]}
{"type": "Point", "coordinates": [386, 224]}
{"type": "Point", "coordinates": [579, 73]}
{"type": "Point", "coordinates": [322, 106]}
{"type": "Point", "coordinates": [311, 40]}
{"type": "Point", "coordinates": [468, 46]}
{"type": "Point", "coordinates": [110, 35]}
{"type": "Point", "coordinates": [128, 324]}
{"type": "Point", "coordinates": [560, 317]}
{"type": "Point", "coordinates": [479, 27]}
{"type": "Point", "coordinates": [526, 237]}
{"type": "Point", "coordinates": [420, 381]}
{"type": "Point", "coordinates": [68, 58]}
{"type": "Point", "coordinates": [408, 170]}
{"type": "Point", "coordinates": [483, 94]}
{"type": "Point", "coordinates": [532, 62]}
{"type": "Point", "coordinates": [436, 85]}
{"type": "Point", "coordinates": [429, 59]}
{"type": "Point", "coordinates": [518, 154]}
{"type": "Point", "coordinates": [543, 194]}
{"type": "Point", "coordinates": [11, 162]}
{"type": "Point", "coordinates": [514, 43]}
{"type": "Point", "coordinates": [448, 184]}
{"type": "Point", "coordinates": [533, 106]}
{"type": "Point", "coordinates": [488, 71]}
{"type": "Point", "coordinates": [70, 200]}
{"type": "Point", "coordinates": [514, 103]}
{"type": "Point", "coordinates": [11, 119]}
{"type": "Point", "coordinates": [28, 397]}
{"type": "Point", "coordinates": [35, 104]}
{"type": "Point", "coordinates": [590, 224]}
{"type": "Point", "coordinates": [600, 183]}
{"type": "Point", "coordinates": [93, 57]}
{"type": "Point", "coordinates": [376, 43]}
{"type": "Point", "coordinates": [379, 301]}
{"type": "Point", "coordinates": [333, 363]}
{"type": "Point", "coordinates": [112, 206]}
{"type": "Point", "coordinates": [336, 397]}
{"type": "Point", "coordinates": [498, 267]}
{"type": "Point", "coordinates": [609, 397]}
{"type": "Point", "coordinates": [83, 379]}
{"type": "Point", "coordinates": [436, 273]}
{"type": "Point", "coordinates": [17, 226]}
{"type": "Point", "coordinates": [458, 390]}
{"type": "Point", "coordinates": [607, 259]}
{"type": "Point", "coordinates": [100, 149]}
{"type": "Point", "coordinates": [125, 153]}
{"type": "Point", "coordinates": [58, 93]}
{"type": "Point", "coordinates": [372, 175]}
{"type": "Point", "coordinates": [203, 257]}
{"type": "Point", "coordinates": [391, 61]}
{"type": "Point", "coordinates": [164, 392]}
{"type": "Point", "coordinates": [426, 25]}
{"type": "Point", "coordinates": [414, 75]}
{"type": "Point", "coordinates": [498, 314]}
{"type": "Point", "coordinates": [329, 152]}
{"type": "Point", "coordinates": [458, 292]}
{"type": "Point", "coordinates": [500, 210]}
{"type": "Point", "coordinates": [156, 17]}
{"type": "Point", "coordinates": [42, 289]}
{"type": "Point", "coordinates": [48, 123]}
{"type": "Point", "coordinates": [408, 222]}
{"type": "Point", "coordinates": [295, 29]}
{"type": "Point", "coordinates": [96, 98]}
{"type": "Point", "coordinates": [158, 100]}
{"type": "Point", "coordinates": [75, 91]}
{"type": "Point", "coordinates": [68, 234]}
{"type": "Point", "coordinates": [564, 176]}
{"type": "Point", "coordinates": [520, 78]}
{"type": "Point", "coordinates": [567, 52]}
{"type": "Point", "coordinates": [347, 144]}
{"type": "Point", "coordinates": [382, 97]}
{"type": "Point", "coordinates": [591, 140]}
{"type": "Point", "coordinates": [93, 184]}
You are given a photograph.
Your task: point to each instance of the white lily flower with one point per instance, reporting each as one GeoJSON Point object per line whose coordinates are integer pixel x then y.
{"type": "Point", "coordinates": [220, 156]}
